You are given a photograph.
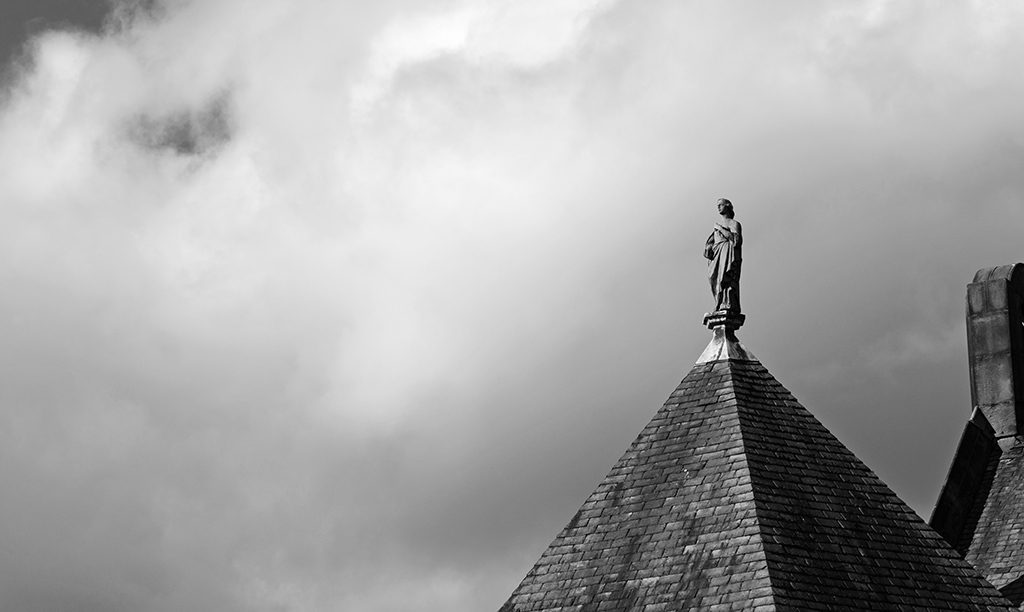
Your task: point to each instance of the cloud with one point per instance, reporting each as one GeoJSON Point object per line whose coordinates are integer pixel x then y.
{"type": "Point", "coordinates": [328, 306]}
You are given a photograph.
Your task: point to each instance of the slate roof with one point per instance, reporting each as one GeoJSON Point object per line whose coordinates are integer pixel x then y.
{"type": "Point", "coordinates": [981, 509]}
{"type": "Point", "coordinates": [996, 545]}
{"type": "Point", "coordinates": [734, 497]}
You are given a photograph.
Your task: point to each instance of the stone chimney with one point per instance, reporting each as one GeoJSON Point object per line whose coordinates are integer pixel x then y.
{"type": "Point", "coordinates": [995, 342]}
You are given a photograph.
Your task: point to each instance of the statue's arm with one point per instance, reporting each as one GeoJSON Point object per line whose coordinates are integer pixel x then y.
{"type": "Point", "coordinates": [738, 231]}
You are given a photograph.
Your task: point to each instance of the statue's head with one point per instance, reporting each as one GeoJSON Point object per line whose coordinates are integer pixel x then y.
{"type": "Point", "coordinates": [725, 208]}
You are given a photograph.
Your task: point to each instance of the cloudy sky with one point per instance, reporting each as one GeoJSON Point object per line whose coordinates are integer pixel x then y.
{"type": "Point", "coordinates": [333, 305]}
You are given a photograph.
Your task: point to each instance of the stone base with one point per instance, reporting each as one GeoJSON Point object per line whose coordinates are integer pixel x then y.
{"type": "Point", "coordinates": [724, 318]}
{"type": "Point", "coordinates": [724, 345]}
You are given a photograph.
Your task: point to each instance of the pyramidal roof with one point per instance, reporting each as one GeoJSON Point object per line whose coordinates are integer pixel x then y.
{"type": "Point", "coordinates": [735, 497]}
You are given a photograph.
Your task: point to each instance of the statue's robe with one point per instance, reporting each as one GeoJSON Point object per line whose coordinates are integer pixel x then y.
{"type": "Point", "coordinates": [724, 256]}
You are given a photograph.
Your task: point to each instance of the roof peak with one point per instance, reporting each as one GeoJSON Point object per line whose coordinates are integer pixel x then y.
{"type": "Point", "coordinates": [724, 346]}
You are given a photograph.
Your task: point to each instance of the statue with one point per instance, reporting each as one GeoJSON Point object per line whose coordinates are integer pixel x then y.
{"type": "Point", "coordinates": [724, 251]}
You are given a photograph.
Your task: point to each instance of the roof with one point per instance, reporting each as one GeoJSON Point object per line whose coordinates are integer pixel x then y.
{"type": "Point", "coordinates": [995, 544]}
{"type": "Point", "coordinates": [981, 508]}
{"type": "Point", "coordinates": [735, 497]}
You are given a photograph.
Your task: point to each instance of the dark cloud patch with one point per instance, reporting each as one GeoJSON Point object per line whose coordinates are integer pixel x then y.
{"type": "Point", "coordinates": [20, 20]}
{"type": "Point", "coordinates": [185, 132]}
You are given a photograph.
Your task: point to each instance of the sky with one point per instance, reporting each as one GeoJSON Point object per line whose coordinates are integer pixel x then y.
{"type": "Point", "coordinates": [332, 305]}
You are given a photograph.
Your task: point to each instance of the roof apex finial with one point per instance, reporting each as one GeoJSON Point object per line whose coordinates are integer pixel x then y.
{"type": "Point", "coordinates": [724, 344]}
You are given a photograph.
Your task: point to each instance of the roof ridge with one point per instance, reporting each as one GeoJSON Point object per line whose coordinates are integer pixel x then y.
{"type": "Point", "coordinates": [758, 507]}
{"type": "Point", "coordinates": [730, 357]}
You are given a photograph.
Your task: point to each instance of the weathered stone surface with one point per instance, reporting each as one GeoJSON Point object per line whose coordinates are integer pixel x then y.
{"type": "Point", "coordinates": [734, 497]}
{"type": "Point", "coordinates": [995, 339]}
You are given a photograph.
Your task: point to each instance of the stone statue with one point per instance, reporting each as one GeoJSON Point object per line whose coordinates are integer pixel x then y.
{"type": "Point", "coordinates": [724, 251]}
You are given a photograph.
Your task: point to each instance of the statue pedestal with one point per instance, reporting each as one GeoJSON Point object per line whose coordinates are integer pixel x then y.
{"type": "Point", "coordinates": [724, 318]}
{"type": "Point", "coordinates": [724, 345]}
